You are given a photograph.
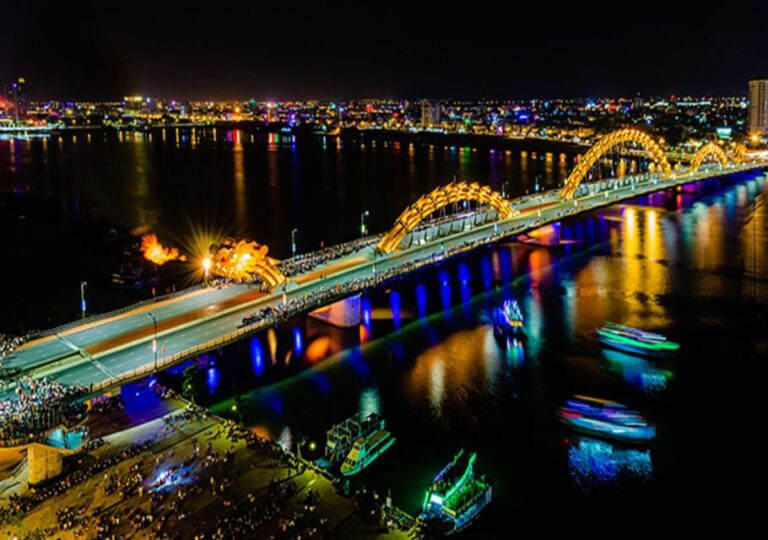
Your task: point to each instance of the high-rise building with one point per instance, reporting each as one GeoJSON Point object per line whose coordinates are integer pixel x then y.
{"type": "Point", "coordinates": [430, 114]}
{"type": "Point", "coordinates": [15, 100]}
{"type": "Point", "coordinates": [757, 124]}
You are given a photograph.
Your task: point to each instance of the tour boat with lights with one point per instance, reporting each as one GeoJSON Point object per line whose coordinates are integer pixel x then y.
{"type": "Point", "coordinates": [341, 437]}
{"type": "Point", "coordinates": [607, 419]}
{"type": "Point", "coordinates": [365, 451]}
{"type": "Point", "coordinates": [635, 341]}
{"type": "Point", "coordinates": [508, 320]}
{"type": "Point", "coordinates": [457, 495]}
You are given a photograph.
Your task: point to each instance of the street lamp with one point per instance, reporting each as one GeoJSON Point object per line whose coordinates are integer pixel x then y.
{"type": "Point", "coordinates": [206, 268]}
{"type": "Point", "coordinates": [83, 284]}
{"type": "Point", "coordinates": [363, 223]}
{"type": "Point", "coordinates": [154, 339]}
{"type": "Point", "coordinates": [293, 241]}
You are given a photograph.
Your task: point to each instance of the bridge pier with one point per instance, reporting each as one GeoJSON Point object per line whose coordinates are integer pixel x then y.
{"type": "Point", "coordinates": [549, 235]}
{"type": "Point", "coordinates": [344, 313]}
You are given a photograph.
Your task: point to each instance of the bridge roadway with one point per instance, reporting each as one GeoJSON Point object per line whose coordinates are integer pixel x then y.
{"type": "Point", "coordinates": [116, 348]}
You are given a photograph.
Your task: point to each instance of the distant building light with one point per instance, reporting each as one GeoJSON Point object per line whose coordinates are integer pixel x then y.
{"type": "Point", "coordinates": [724, 132]}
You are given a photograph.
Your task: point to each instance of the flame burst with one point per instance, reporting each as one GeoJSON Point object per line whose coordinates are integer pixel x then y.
{"type": "Point", "coordinates": [154, 251]}
{"type": "Point", "coordinates": [242, 260]}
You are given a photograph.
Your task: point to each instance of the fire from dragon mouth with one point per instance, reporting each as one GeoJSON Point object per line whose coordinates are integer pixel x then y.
{"type": "Point", "coordinates": [154, 251]}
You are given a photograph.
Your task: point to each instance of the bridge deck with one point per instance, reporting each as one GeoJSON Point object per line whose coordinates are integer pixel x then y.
{"type": "Point", "coordinates": [119, 347]}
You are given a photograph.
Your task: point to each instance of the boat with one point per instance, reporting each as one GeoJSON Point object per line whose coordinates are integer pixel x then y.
{"type": "Point", "coordinates": [457, 496]}
{"type": "Point", "coordinates": [607, 419]}
{"type": "Point", "coordinates": [341, 437]}
{"type": "Point", "coordinates": [131, 275]}
{"type": "Point", "coordinates": [635, 341]}
{"type": "Point", "coordinates": [508, 320]}
{"type": "Point", "coordinates": [365, 451]}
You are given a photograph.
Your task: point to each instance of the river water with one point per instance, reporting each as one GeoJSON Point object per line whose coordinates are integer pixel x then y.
{"type": "Point", "coordinates": [690, 264]}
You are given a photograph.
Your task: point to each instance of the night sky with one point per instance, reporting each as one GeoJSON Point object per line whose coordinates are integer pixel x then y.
{"type": "Point", "coordinates": [343, 50]}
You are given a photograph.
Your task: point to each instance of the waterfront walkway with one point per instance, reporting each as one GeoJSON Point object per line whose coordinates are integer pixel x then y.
{"type": "Point", "coordinates": [193, 474]}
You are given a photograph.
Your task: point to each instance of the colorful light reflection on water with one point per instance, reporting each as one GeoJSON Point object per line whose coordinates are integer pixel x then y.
{"type": "Point", "coordinates": [432, 366]}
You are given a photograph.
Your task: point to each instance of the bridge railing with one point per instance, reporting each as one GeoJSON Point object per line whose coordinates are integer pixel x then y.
{"type": "Point", "coordinates": [172, 359]}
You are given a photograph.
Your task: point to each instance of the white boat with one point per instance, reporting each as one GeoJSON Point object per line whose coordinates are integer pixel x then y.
{"type": "Point", "coordinates": [365, 451]}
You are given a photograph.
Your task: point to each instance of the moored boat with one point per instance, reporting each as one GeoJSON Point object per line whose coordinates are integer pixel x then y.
{"type": "Point", "coordinates": [341, 437]}
{"type": "Point", "coordinates": [457, 495]}
{"type": "Point", "coordinates": [365, 451]}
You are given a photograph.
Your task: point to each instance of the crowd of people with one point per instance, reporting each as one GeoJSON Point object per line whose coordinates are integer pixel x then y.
{"type": "Point", "coordinates": [301, 264]}
{"type": "Point", "coordinates": [40, 405]}
{"type": "Point", "coordinates": [163, 487]}
{"type": "Point", "coordinates": [20, 505]}
{"type": "Point", "coordinates": [293, 306]}
{"type": "Point", "coordinates": [8, 344]}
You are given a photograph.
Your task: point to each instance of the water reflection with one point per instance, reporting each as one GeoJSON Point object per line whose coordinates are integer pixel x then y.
{"type": "Point", "coordinates": [212, 379]}
{"type": "Point", "coordinates": [425, 355]}
{"type": "Point", "coordinates": [285, 439]}
{"type": "Point", "coordinates": [240, 196]}
{"type": "Point", "coordinates": [257, 356]}
{"type": "Point", "coordinates": [638, 372]}
{"type": "Point", "coordinates": [463, 365]}
{"type": "Point", "coordinates": [370, 401]}
{"type": "Point", "coordinates": [593, 463]}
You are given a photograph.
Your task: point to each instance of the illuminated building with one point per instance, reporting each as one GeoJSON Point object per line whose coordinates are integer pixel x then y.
{"type": "Point", "coordinates": [430, 114]}
{"type": "Point", "coordinates": [758, 108]}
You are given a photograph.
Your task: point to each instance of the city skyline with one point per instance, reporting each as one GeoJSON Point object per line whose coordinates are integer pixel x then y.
{"type": "Point", "coordinates": [339, 51]}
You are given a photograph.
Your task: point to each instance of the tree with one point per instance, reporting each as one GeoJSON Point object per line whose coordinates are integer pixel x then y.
{"type": "Point", "coordinates": [240, 404]}
{"type": "Point", "coordinates": [193, 383]}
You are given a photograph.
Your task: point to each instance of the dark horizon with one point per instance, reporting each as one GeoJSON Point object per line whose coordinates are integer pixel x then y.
{"type": "Point", "coordinates": [339, 50]}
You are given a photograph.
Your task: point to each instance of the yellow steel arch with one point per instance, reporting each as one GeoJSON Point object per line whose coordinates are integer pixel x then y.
{"type": "Point", "coordinates": [708, 150]}
{"type": "Point", "coordinates": [439, 198]}
{"type": "Point", "coordinates": [604, 145]}
{"type": "Point", "coordinates": [242, 260]}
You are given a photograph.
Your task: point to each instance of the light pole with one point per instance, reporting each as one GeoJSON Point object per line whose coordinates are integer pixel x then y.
{"type": "Point", "coordinates": [154, 338]}
{"type": "Point", "coordinates": [293, 241]}
{"type": "Point", "coordinates": [363, 223]}
{"type": "Point", "coordinates": [206, 268]}
{"type": "Point", "coordinates": [83, 284]}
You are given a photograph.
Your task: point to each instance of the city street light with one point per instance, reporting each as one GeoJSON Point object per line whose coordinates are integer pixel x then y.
{"type": "Point", "coordinates": [154, 339]}
{"type": "Point", "coordinates": [293, 241]}
{"type": "Point", "coordinates": [363, 223]}
{"type": "Point", "coordinates": [206, 268]}
{"type": "Point", "coordinates": [83, 284]}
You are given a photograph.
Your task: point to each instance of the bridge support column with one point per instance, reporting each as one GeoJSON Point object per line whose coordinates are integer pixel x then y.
{"type": "Point", "coordinates": [344, 313]}
{"type": "Point", "coordinates": [549, 235]}
{"type": "Point", "coordinates": [45, 463]}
